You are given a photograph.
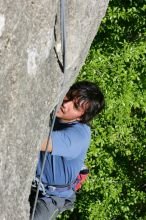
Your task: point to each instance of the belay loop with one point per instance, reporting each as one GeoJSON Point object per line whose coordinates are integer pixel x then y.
{"type": "Point", "coordinates": [53, 113]}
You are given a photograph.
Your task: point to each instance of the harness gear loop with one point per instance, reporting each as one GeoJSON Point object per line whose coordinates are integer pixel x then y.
{"type": "Point", "coordinates": [53, 113]}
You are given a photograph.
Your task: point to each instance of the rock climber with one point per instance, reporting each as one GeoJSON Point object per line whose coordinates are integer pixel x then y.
{"type": "Point", "coordinates": [67, 150]}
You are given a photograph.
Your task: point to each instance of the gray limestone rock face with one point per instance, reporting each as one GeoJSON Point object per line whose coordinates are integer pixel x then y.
{"type": "Point", "coordinates": [30, 84]}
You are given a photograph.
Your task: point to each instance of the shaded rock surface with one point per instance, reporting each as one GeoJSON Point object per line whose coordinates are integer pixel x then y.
{"type": "Point", "coordinates": [30, 84]}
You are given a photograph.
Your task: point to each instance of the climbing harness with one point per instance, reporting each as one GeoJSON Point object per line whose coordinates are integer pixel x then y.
{"type": "Point", "coordinates": [53, 113]}
{"type": "Point", "coordinates": [75, 185]}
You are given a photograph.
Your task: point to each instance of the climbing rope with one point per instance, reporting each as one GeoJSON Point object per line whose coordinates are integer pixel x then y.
{"type": "Point", "coordinates": [53, 113]}
{"type": "Point", "coordinates": [63, 33]}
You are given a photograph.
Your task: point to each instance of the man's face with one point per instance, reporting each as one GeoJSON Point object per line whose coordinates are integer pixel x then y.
{"type": "Point", "coordinates": [70, 110]}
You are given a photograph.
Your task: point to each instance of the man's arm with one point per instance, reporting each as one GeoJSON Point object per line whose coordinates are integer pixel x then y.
{"type": "Point", "coordinates": [43, 146]}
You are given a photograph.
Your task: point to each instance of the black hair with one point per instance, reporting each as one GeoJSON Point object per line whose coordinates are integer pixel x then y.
{"type": "Point", "coordinates": [90, 95]}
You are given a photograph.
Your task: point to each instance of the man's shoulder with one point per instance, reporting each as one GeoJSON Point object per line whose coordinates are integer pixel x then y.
{"type": "Point", "coordinates": [81, 133]}
{"type": "Point", "coordinates": [83, 127]}
{"type": "Point", "coordinates": [70, 139]}
{"type": "Point", "coordinates": [74, 130]}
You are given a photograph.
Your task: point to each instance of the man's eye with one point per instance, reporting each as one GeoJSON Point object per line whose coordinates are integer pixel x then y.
{"type": "Point", "coordinates": [65, 101]}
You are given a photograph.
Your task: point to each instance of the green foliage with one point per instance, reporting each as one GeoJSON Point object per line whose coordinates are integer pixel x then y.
{"type": "Point", "coordinates": [116, 187]}
{"type": "Point", "coordinates": [117, 157]}
{"type": "Point", "coordinates": [124, 21]}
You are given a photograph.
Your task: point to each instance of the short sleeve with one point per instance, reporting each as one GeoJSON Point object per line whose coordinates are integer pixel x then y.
{"type": "Point", "coordinates": [69, 142]}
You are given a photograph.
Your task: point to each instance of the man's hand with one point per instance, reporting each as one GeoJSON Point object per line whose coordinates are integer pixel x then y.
{"type": "Point", "coordinates": [43, 147]}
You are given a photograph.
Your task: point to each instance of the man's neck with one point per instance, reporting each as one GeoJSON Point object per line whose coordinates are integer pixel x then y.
{"type": "Point", "coordinates": [66, 121]}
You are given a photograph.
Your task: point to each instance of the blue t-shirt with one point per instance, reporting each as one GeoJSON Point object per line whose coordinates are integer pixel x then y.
{"type": "Point", "coordinates": [70, 142]}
